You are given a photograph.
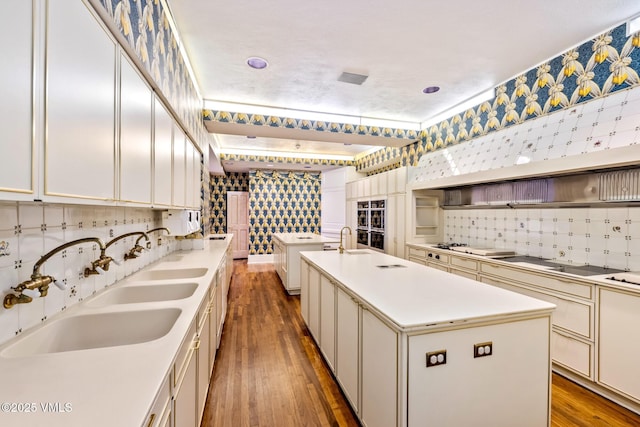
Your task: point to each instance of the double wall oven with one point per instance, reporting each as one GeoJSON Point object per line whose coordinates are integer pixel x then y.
{"type": "Point", "coordinates": [371, 223]}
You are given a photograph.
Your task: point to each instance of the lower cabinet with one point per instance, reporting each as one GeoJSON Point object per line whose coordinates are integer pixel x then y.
{"type": "Point", "coordinates": [314, 303]}
{"type": "Point", "coordinates": [304, 290]}
{"type": "Point", "coordinates": [347, 346]}
{"type": "Point", "coordinates": [619, 342]}
{"type": "Point", "coordinates": [202, 355]}
{"type": "Point", "coordinates": [328, 320]}
{"type": "Point", "coordinates": [185, 382]}
{"type": "Point", "coordinates": [379, 362]}
{"type": "Point", "coordinates": [161, 411]}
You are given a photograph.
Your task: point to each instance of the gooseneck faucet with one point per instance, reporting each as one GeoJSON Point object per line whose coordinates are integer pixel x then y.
{"type": "Point", "coordinates": [341, 248]}
{"type": "Point", "coordinates": [38, 285]}
{"type": "Point", "coordinates": [158, 229]}
{"type": "Point", "coordinates": [136, 249]}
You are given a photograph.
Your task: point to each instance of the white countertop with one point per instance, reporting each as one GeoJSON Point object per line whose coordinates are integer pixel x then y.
{"type": "Point", "coordinates": [416, 296]}
{"type": "Point", "coordinates": [302, 238]}
{"type": "Point", "coordinates": [112, 386]}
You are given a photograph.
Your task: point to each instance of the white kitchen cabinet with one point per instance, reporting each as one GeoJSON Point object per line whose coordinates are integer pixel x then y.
{"type": "Point", "coordinates": [179, 167]}
{"type": "Point", "coordinates": [17, 180]}
{"type": "Point", "coordinates": [304, 290]}
{"type": "Point", "coordinates": [619, 342]}
{"type": "Point", "coordinates": [80, 105]}
{"type": "Point", "coordinates": [348, 346]}
{"type": "Point", "coordinates": [160, 413]}
{"type": "Point", "coordinates": [379, 372]}
{"type": "Point", "coordinates": [192, 175]}
{"type": "Point", "coordinates": [135, 142]}
{"type": "Point", "coordinates": [185, 396]}
{"type": "Point", "coordinates": [202, 355]}
{"type": "Point", "coordinates": [328, 321]}
{"type": "Point", "coordinates": [314, 304]}
{"type": "Point", "coordinates": [394, 231]}
{"type": "Point", "coordinates": [162, 155]}
{"type": "Point", "coordinates": [213, 331]}
{"type": "Point", "coordinates": [397, 180]}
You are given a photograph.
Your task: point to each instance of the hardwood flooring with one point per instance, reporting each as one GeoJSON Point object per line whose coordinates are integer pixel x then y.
{"type": "Point", "coordinates": [269, 372]}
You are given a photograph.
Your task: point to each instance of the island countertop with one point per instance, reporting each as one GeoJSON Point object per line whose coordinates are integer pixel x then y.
{"type": "Point", "coordinates": [302, 238]}
{"type": "Point", "coordinates": [413, 296]}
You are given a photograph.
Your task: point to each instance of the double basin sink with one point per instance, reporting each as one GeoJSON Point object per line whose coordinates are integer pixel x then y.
{"type": "Point", "coordinates": [548, 265]}
{"type": "Point", "coordinates": [115, 328]}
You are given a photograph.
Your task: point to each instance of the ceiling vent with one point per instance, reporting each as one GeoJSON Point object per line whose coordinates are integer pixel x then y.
{"type": "Point", "coordinates": [355, 79]}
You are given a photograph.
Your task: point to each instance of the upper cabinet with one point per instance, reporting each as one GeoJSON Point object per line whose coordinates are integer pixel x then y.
{"type": "Point", "coordinates": [16, 102]}
{"type": "Point", "coordinates": [162, 156]}
{"type": "Point", "coordinates": [79, 155]}
{"type": "Point", "coordinates": [179, 166]}
{"type": "Point", "coordinates": [79, 122]}
{"type": "Point", "coordinates": [135, 135]}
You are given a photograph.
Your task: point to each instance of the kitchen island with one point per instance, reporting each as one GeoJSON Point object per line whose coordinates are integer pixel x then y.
{"type": "Point", "coordinates": [412, 346]}
{"type": "Point", "coordinates": [286, 255]}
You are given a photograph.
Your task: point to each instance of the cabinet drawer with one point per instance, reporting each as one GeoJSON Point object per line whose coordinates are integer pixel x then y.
{"type": "Point", "coordinates": [573, 316]}
{"type": "Point", "coordinates": [567, 286]}
{"type": "Point", "coordinates": [438, 266]}
{"type": "Point", "coordinates": [572, 354]}
{"type": "Point", "coordinates": [417, 253]}
{"type": "Point", "coordinates": [463, 273]}
{"type": "Point", "coordinates": [184, 354]}
{"type": "Point", "coordinates": [202, 312]}
{"type": "Point", "coordinates": [418, 260]}
{"type": "Point", "coordinates": [469, 264]}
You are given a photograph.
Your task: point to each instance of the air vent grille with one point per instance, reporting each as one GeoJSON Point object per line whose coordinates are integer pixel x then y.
{"type": "Point", "coordinates": [353, 78]}
{"type": "Point", "coordinates": [620, 185]}
{"type": "Point", "coordinates": [533, 191]}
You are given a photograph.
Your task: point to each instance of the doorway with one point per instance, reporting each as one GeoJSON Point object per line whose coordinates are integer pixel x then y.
{"type": "Point", "coordinates": [238, 222]}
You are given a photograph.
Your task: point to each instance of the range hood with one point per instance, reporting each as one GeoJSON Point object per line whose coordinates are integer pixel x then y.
{"type": "Point", "coordinates": [616, 187]}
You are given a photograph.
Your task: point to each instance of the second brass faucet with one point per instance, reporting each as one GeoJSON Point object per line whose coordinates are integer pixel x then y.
{"type": "Point", "coordinates": [341, 248]}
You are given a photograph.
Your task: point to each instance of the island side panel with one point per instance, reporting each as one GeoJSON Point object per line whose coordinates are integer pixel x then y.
{"type": "Point", "coordinates": [511, 386]}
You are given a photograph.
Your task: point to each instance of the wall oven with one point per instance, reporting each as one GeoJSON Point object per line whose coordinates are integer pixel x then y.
{"type": "Point", "coordinates": [371, 224]}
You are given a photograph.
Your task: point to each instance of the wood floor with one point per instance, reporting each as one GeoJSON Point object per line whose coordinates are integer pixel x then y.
{"type": "Point", "coordinates": [269, 372]}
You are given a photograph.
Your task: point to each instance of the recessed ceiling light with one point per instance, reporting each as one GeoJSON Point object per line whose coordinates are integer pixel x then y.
{"type": "Point", "coordinates": [269, 165]}
{"type": "Point", "coordinates": [431, 89]}
{"type": "Point", "coordinates": [257, 62]}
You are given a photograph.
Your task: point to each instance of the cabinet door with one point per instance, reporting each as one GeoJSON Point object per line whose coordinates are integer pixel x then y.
{"type": "Point", "coordinates": [314, 303]}
{"type": "Point", "coordinates": [179, 167]}
{"type": "Point", "coordinates": [202, 355]}
{"type": "Point", "coordinates": [304, 290]}
{"type": "Point", "coordinates": [185, 406]}
{"type": "Point", "coordinates": [162, 154]}
{"type": "Point", "coordinates": [395, 232]}
{"type": "Point", "coordinates": [328, 321]}
{"type": "Point", "coordinates": [192, 175]}
{"type": "Point", "coordinates": [80, 104]}
{"type": "Point", "coordinates": [16, 165]}
{"type": "Point", "coordinates": [379, 372]}
{"type": "Point", "coordinates": [619, 342]}
{"type": "Point", "coordinates": [135, 135]}
{"type": "Point", "coordinates": [347, 346]}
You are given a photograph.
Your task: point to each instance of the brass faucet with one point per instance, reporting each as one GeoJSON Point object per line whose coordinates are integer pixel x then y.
{"type": "Point", "coordinates": [159, 239]}
{"type": "Point", "coordinates": [341, 248]}
{"type": "Point", "coordinates": [136, 249]}
{"type": "Point", "coordinates": [38, 285]}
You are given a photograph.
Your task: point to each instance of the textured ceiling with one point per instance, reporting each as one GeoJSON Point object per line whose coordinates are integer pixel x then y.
{"type": "Point", "coordinates": [464, 48]}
